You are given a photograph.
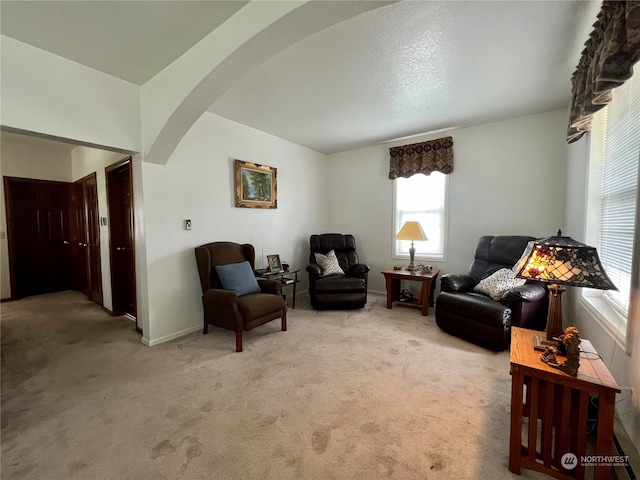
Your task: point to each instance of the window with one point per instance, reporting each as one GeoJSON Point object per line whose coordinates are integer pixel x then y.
{"type": "Point", "coordinates": [615, 148]}
{"type": "Point", "coordinates": [421, 198]}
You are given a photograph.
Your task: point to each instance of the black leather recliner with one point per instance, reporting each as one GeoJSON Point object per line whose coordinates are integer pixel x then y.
{"type": "Point", "coordinates": [337, 291]}
{"type": "Point", "coordinates": [478, 318]}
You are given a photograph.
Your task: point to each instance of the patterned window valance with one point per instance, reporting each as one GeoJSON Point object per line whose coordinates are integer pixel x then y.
{"type": "Point", "coordinates": [606, 62]}
{"type": "Point", "coordinates": [425, 157]}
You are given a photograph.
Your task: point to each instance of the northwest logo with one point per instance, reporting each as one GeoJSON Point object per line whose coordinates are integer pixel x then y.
{"type": "Point", "coordinates": [569, 461]}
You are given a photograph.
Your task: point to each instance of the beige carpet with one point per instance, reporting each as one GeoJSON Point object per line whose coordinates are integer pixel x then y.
{"type": "Point", "coordinates": [369, 394]}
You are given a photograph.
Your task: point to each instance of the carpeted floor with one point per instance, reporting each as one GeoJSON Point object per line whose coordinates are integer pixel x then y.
{"type": "Point", "coordinates": [368, 394]}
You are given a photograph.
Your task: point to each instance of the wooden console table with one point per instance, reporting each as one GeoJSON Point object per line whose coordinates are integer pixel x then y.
{"type": "Point", "coordinates": [556, 406]}
{"type": "Point", "coordinates": [394, 277]}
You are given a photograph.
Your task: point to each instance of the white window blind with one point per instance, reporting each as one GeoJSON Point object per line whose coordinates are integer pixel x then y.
{"type": "Point", "coordinates": [619, 189]}
{"type": "Point", "coordinates": [421, 198]}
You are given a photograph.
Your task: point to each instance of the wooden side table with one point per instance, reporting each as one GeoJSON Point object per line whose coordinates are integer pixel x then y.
{"type": "Point", "coordinates": [556, 405]}
{"type": "Point", "coordinates": [428, 279]}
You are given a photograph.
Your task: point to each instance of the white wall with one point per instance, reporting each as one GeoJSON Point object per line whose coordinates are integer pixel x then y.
{"type": "Point", "coordinates": [85, 161]}
{"type": "Point", "coordinates": [38, 161]}
{"type": "Point", "coordinates": [198, 183]}
{"type": "Point", "coordinates": [509, 179]}
{"type": "Point", "coordinates": [48, 94]}
{"type": "Point", "coordinates": [623, 367]}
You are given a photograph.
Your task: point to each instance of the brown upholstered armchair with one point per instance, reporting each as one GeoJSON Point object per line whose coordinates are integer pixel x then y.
{"type": "Point", "coordinates": [346, 289]}
{"type": "Point", "coordinates": [249, 302]}
{"type": "Point", "coordinates": [478, 318]}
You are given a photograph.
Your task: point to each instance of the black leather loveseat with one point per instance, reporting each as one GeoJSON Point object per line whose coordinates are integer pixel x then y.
{"type": "Point", "coordinates": [478, 318]}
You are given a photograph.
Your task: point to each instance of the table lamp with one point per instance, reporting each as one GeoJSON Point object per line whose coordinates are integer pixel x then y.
{"type": "Point", "coordinates": [561, 261]}
{"type": "Point", "coordinates": [411, 231]}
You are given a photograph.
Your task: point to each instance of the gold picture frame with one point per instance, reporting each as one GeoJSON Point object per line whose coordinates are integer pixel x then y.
{"type": "Point", "coordinates": [256, 185]}
{"type": "Point", "coordinates": [274, 263]}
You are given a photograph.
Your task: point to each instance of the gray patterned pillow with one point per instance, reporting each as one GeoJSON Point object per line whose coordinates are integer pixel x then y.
{"type": "Point", "coordinates": [329, 264]}
{"type": "Point", "coordinates": [498, 283]}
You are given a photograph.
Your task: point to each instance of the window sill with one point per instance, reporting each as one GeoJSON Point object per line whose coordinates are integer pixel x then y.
{"type": "Point", "coordinates": [607, 317]}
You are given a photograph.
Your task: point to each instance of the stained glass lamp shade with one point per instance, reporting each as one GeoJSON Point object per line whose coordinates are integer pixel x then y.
{"type": "Point", "coordinates": [560, 260]}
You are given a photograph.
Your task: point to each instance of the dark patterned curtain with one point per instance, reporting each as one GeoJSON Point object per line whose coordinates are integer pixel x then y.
{"type": "Point", "coordinates": [606, 62]}
{"type": "Point", "coordinates": [425, 157]}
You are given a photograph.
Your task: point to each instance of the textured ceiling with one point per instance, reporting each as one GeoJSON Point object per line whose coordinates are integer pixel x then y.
{"type": "Point", "coordinates": [408, 68]}
{"type": "Point", "coordinates": [415, 67]}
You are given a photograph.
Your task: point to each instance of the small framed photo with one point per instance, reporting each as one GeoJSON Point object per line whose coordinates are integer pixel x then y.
{"type": "Point", "coordinates": [256, 185]}
{"type": "Point", "coordinates": [274, 263]}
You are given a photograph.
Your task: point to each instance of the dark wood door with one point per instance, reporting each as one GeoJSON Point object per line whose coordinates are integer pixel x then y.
{"type": "Point", "coordinates": [86, 271]}
{"type": "Point", "coordinates": [94, 270]}
{"type": "Point", "coordinates": [121, 228]}
{"type": "Point", "coordinates": [78, 238]}
{"type": "Point", "coordinates": [38, 235]}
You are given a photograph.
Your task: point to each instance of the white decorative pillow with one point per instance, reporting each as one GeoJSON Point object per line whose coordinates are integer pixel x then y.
{"type": "Point", "coordinates": [498, 283]}
{"type": "Point", "coordinates": [329, 264]}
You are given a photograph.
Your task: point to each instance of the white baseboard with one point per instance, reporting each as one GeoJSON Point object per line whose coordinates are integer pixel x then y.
{"type": "Point", "coordinates": [168, 338]}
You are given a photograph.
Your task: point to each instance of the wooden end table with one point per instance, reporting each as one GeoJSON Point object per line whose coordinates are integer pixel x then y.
{"type": "Point", "coordinates": [286, 280]}
{"type": "Point", "coordinates": [556, 406]}
{"type": "Point", "coordinates": [428, 279]}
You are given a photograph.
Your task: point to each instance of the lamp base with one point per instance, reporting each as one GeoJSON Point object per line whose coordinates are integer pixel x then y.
{"type": "Point", "coordinates": [540, 343]}
{"type": "Point", "coordinates": [412, 258]}
{"type": "Point", "coordinates": [554, 316]}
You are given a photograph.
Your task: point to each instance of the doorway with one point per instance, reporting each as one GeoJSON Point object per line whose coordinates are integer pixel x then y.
{"type": "Point", "coordinates": [121, 249]}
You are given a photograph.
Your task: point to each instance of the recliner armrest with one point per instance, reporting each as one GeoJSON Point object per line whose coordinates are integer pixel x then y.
{"type": "Point", "coordinates": [529, 292]}
{"type": "Point", "coordinates": [314, 269]}
{"type": "Point", "coordinates": [454, 282]}
{"type": "Point", "coordinates": [358, 270]}
{"type": "Point", "coordinates": [217, 295]}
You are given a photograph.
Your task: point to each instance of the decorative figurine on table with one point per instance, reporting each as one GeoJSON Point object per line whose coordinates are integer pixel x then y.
{"type": "Point", "coordinates": [549, 355]}
{"type": "Point", "coordinates": [423, 268]}
{"type": "Point", "coordinates": [571, 341]}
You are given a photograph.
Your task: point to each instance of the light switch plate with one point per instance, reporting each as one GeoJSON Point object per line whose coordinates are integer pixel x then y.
{"type": "Point", "coordinates": [187, 224]}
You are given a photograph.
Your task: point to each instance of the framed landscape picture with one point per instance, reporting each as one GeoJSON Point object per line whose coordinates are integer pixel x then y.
{"type": "Point", "coordinates": [256, 185]}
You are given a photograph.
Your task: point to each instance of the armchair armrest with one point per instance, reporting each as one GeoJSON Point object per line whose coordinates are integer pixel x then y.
{"type": "Point", "coordinates": [529, 292]}
{"type": "Point", "coordinates": [453, 282]}
{"type": "Point", "coordinates": [216, 295]}
{"type": "Point", "coordinates": [270, 286]}
{"type": "Point", "coordinates": [358, 270]}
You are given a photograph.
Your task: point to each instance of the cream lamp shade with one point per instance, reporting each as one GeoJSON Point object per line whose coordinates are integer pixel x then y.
{"type": "Point", "coordinates": [412, 231]}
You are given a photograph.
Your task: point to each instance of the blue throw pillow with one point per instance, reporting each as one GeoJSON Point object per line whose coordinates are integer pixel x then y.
{"type": "Point", "coordinates": [238, 277]}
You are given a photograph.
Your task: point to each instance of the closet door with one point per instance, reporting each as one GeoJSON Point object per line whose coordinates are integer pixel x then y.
{"type": "Point", "coordinates": [38, 235]}
{"type": "Point", "coordinates": [78, 235]}
{"type": "Point", "coordinates": [85, 232]}
{"type": "Point", "coordinates": [92, 238]}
